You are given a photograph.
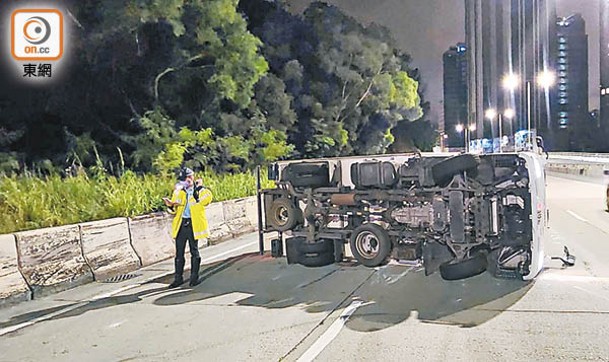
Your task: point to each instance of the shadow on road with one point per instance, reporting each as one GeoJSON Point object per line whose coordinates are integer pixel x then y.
{"type": "Point", "coordinates": [261, 281]}
{"type": "Point", "coordinates": [395, 291]}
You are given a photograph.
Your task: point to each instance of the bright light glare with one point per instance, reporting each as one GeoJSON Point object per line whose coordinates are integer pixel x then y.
{"type": "Point", "coordinates": [459, 128]}
{"type": "Point", "coordinates": [490, 113]}
{"type": "Point", "coordinates": [509, 113]}
{"type": "Point", "coordinates": [546, 79]}
{"type": "Point", "coordinates": [511, 81]}
{"type": "Point", "coordinates": [472, 127]}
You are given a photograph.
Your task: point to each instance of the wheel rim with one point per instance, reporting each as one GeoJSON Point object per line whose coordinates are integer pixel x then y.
{"type": "Point", "coordinates": [282, 215]}
{"type": "Point", "coordinates": [367, 244]}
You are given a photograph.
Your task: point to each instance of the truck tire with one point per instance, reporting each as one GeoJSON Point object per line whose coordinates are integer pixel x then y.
{"type": "Point", "coordinates": [318, 259]}
{"type": "Point", "coordinates": [316, 254]}
{"type": "Point", "coordinates": [370, 245]}
{"type": "Point", "coordinates": [444, 170]}
{"type": "Point", "coordinates": [464, 269]}
{"type": "Point", "coordinates": [320, 246]}
{"type": "Point", "coordinates": [284, 215]}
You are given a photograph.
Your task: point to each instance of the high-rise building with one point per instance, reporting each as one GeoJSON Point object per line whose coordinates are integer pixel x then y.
{"type": "Point", "coordinates": [509, 37]}
{"type": "Point", "coordinates": [485, 22]}
{"type": "Point", "coordinates": [604, 63]}
{"type": "Point", "coordinates": [571, 104]}
{"type": "Point", "coordinates": [455, 93]}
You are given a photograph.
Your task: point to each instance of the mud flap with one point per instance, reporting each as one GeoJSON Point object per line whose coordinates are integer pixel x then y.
{"type": "Point", "coordinates": [434, 255]}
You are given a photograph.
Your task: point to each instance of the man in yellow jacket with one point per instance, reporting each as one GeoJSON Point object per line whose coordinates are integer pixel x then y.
{"type": "Point", "coordinates": [189, 223]}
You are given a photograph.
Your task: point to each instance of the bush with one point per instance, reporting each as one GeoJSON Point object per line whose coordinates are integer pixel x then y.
{"type": "Point", "coordinates": [30, 202]}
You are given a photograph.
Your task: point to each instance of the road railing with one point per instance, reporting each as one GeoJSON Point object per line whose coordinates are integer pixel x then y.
{"type": "Point", "coordinates": [582, 164]}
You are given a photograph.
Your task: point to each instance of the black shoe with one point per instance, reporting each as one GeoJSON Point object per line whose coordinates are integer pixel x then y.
{"type": "Point", "coordinates": [175, 284]}
{"type": "Point", "coordinates": [194, 283]}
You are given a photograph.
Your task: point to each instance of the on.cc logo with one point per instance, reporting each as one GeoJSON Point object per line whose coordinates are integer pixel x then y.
{"type": "Point", "coordinates": [36, 30]}
{"type": "Point", "coordinates": [37, 34]}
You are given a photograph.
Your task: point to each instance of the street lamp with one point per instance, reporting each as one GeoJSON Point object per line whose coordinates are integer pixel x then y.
{"type": "Point", "coordinates": [509, 114]}
{"type": "Point", "coordinates": [544, 79]}
{"type": "Point", "coordinates": [492, 113]}
{"type": "Point", "coordinates": [459, 128]}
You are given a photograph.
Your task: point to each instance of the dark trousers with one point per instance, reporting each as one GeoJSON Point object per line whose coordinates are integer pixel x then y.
{"type": "Point", "coordinates": [186, 234]}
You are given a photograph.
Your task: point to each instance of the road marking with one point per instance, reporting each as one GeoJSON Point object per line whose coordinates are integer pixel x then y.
{"type": "Point", "coordinates": [228, 252]}
{"type": "Point", "coordinates": [331, 333]}
{"type": "Point", "coordinates": [572, 278]}
{"type": "Point", "coordinates": [17, 327]}
{"type": "Point", "coordinates": [592, 293]}
{"type": "Point", "coordinates": [576, 216]}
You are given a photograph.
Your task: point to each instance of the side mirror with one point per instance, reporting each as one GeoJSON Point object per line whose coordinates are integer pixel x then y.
{"type": "Point", "coordinates": [539, 142]}
{"type": "Point", "coordinates": [540, 146]}
{"type": "Point", "coordinates": [273, 172]}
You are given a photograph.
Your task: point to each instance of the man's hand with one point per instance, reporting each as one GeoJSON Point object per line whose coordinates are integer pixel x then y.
{"type": "Point", "coordinates": [198, 182]}
{"type": "Point", "coordinates": [169, 203]}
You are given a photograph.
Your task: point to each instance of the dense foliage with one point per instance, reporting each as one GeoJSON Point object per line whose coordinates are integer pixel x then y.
{"type": "Point", "coordinates": [149, 86]}
{"type": "Point", "coordinates": [213, 84]}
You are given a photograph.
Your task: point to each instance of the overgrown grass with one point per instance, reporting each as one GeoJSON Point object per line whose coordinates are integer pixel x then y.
{"type": "Point", "coordinates": [28, 202]}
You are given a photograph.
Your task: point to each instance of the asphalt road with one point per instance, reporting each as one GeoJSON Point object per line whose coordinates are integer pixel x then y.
{"type": "Point", "coordinates": [258, 308]}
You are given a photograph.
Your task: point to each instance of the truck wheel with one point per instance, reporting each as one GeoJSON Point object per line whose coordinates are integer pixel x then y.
{"type": "Point", "coordinates": [319, 253]}
{"type": "Point", "coordinates": [284, 215]}
{"type": "Point", "coordinates": [320, 246]}
{"type": "Point", "coordinates": [464, 269]}
{"type": "Point", "coordinates": [370, 245]}
{"type": "Point", "coordinates": [444, 171]}
{"type": "Point", "coordinates": [317, 259]}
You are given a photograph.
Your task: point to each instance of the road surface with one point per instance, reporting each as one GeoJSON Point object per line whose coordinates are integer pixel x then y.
{"type": "Point", "coordinates": [258, 308]}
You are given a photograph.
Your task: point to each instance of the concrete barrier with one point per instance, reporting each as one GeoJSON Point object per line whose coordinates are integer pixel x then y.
{"type": "Point", "coordinates": [54, 259]}
{"type": "Point", "coordinates": [51, 259]}
{"type": "Point", "coordinates": [218, 230]}
{"type": "Point", "coordinates": [13, 287]}
{"type": "Point", "coordinates": [580, 169]}
{"type": "Point", "coordinates": [251, 211]}
{"type": "Point", "coordinates": [106, 246]}
{"type": "Point", "coordinates": [236, 218]}
{"type": "Point", "coordinates": [151, 237]}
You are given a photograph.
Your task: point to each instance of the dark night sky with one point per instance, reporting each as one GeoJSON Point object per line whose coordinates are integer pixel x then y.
{"type": "Point", "coordinates": [426, 28]}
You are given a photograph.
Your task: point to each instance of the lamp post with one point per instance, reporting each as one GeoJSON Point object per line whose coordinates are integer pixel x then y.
{"type": "Point", "coordinates": [459, 128]}
{"type": "Point", "coordinates": [509, 114]}
{"type": "Point", "coordinates": [544, 79]}
{"type": "Point", "coordinates": [492, 113]}
{"type": "Point", "coordinates": [471, 128]}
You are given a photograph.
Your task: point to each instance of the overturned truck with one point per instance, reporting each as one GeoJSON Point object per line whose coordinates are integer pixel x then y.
{"type": "Point", "coordinates": [457, 214]}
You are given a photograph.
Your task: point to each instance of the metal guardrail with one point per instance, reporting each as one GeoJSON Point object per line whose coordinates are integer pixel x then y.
{"type": "Point", "coordinates": [586, 158]}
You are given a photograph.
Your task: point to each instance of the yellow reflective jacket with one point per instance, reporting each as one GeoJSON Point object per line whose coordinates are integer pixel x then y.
{"type": "Point", "coordinates": [197, 212]}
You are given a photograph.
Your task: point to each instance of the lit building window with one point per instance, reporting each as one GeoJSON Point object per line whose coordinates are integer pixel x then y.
{"type": "Point", "coordinates": [562, 87]}
{"type": "Point", "coordinates": [562, 67]}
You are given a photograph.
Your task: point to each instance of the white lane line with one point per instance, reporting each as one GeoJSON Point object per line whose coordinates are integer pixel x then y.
{"type": "Point", "coordinates": [228, 252]}
{"type": "Point", "coordinates": [572, 278]}
{"type": "Point", "coordinates": [17, 327]}
{"type": "Point", "coordinates": [331, 333]}
{"type": "Point", "coordinates": [576, 216]}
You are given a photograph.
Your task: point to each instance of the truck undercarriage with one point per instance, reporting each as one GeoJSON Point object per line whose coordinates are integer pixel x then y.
{"type": "Point", "coordinates": [460, 215]}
